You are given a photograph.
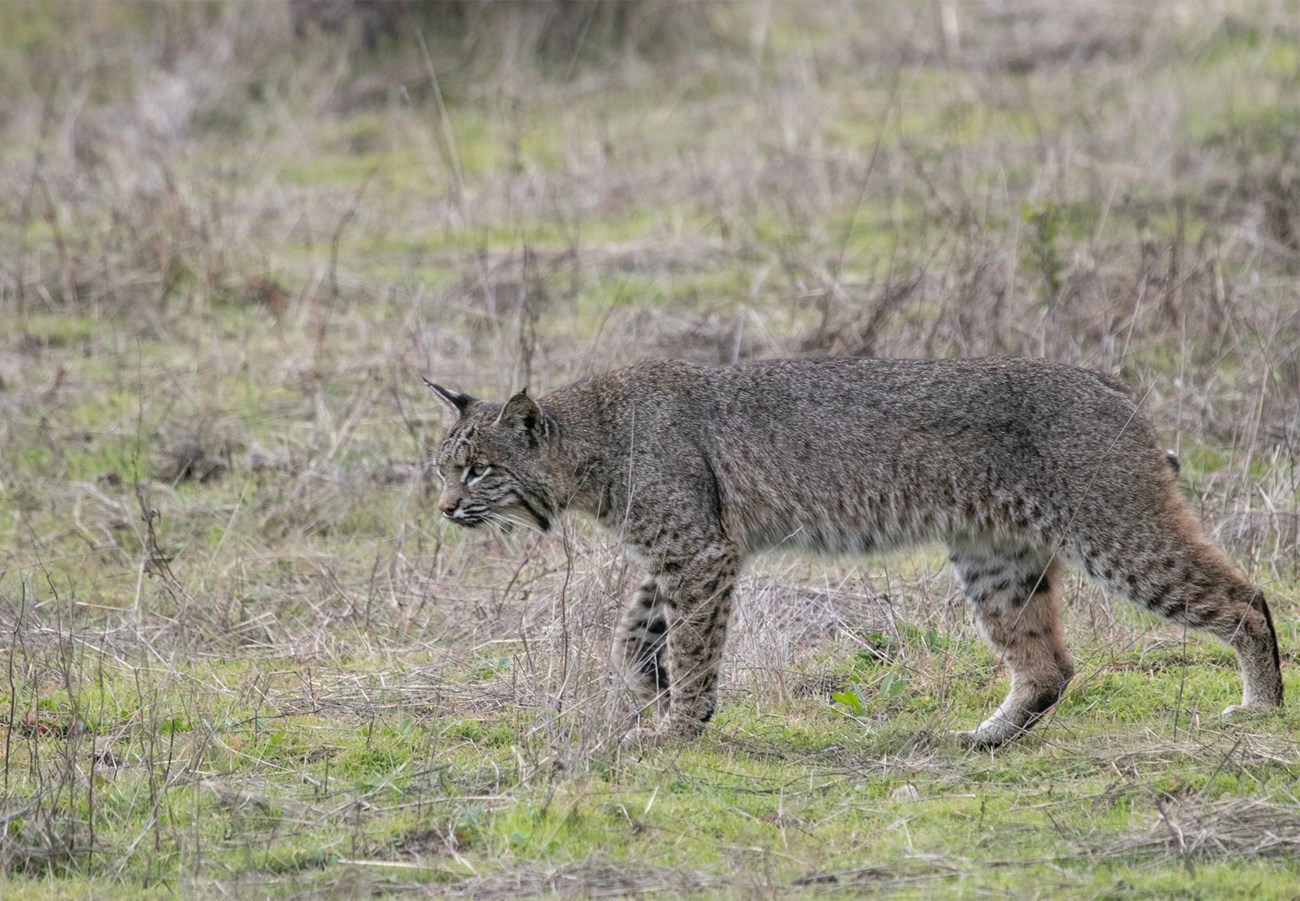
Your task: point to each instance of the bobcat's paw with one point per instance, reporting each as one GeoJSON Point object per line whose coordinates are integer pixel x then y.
{"type": "Point", "coordinates": [647, 738]}
{"type": "Point", "coordinates": [679, 728]}
{"type": "Point", "coordinates": [1243, 713]}
{"type": "Point", "coordinates": [638, 738]}
{"type": "Point", "coordinates": [993, 732]}
{"type": "Point", "coordinates": [978, 740]}
{"type": "Point", "coordinates": [670, 731]}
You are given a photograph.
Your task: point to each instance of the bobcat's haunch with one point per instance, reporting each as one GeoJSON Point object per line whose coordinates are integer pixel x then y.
{"type": "Point", "coordinates": [1016, 465]}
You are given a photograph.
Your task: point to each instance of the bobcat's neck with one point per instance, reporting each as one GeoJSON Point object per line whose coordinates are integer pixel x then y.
{"type": "Point", "coordinates": [584, 462]}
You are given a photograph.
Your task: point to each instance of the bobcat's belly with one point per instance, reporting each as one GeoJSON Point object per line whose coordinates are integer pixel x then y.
{"type": "Point", "coordinates": [840, 523]}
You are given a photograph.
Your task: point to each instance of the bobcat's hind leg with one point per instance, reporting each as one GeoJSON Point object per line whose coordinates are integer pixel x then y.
{"type": "Point", "coordinates": [1175, 573]}
{"type": "Point", "coordinates": [1012, 594]}
{"type": "Point", "coordinates": [641, 646]}
{"type": "Point", "coordinates": [1239, 616]}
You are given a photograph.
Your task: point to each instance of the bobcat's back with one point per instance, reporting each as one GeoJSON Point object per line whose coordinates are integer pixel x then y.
{"type": "Point", "coordinates": [855, 455]}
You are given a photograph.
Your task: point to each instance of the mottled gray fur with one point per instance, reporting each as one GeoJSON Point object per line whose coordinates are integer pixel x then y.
{"type": "Point", "coordinates": [1016, 465]}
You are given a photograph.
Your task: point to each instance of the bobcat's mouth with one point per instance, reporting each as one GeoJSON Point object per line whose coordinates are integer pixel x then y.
{"type": "Point", "coordinates": [514, 509]}
{"type": "Point", "coordinates": [505, 520]}
{"type": "Point", "coordinates": [466, 520]}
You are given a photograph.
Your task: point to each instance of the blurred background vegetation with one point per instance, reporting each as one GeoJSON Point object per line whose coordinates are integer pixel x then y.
{"type": "Point", "coordinates": [233, 235]}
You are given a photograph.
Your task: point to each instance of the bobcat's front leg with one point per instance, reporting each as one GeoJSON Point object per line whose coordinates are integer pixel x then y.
{"type": "Point", "coordinates": [641, 646]}
{"type": "Point", "coordinates": [699, 591]}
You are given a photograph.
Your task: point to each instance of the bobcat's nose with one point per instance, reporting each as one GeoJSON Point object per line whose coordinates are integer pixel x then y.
{"type": "Point", "coordinates": [448, 506]}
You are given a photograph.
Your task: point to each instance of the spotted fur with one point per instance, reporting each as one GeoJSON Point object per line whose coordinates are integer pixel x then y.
{"type": "Point", "coordinates": [1016, 465]}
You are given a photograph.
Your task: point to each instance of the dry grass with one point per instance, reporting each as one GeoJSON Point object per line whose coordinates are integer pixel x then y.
{"type": "Point", "coordinates": [241, 654]}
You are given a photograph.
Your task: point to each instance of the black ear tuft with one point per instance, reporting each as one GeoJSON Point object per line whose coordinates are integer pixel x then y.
{"type": "Point", "coordinates": [457, 400]}
{"type": "Point", "coordinates": [522, 414]}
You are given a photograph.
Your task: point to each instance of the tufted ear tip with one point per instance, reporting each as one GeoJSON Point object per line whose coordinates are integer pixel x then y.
{"type": "Point", "coordinates": [459, 402]}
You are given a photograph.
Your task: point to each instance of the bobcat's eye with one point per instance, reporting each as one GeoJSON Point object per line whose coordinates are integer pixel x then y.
{"type": "Point", "coordinates": [476, 472]}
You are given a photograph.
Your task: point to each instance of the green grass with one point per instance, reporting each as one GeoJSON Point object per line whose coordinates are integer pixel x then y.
{"type": "Point", "coordinates": [804, 792]}
{"type": "Point", "coordinates": [301, 683]}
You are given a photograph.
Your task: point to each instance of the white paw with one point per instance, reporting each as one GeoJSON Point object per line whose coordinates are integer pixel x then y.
{"type": "Point", "coordinates": [1237, 713]}
{"type": "Point", "coordinates": [981, 738]}
{"type": "Point", "coordinates": [992, 732]}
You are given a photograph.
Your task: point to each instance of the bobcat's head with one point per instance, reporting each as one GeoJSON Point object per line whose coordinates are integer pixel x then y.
{"type": "Point", "coordinates": [493, 463]}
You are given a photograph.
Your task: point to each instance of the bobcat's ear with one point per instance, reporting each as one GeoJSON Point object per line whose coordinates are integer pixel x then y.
{"type": "Point", "coordinates": [522, 414]}
{"type": "Point", "coordinates": [459, 402]}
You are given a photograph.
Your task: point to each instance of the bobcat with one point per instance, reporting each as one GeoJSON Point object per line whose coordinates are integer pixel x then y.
{"type": "Point", "coordinates": [1017, 465]}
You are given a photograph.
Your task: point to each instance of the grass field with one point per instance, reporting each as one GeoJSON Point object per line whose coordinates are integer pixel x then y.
{"type": "Point", "coordinates": [241, 655]}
